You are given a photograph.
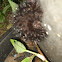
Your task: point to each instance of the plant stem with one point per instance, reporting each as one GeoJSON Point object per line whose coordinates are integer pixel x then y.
{"type": "Point", "coordinates": [38, 55]}
{"type": "Point", "coordinates": [38, 48]}
{"type": "Point", "coordinates": [46, 61]}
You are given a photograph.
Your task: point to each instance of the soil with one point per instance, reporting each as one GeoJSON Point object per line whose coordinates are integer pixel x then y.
{"type": "Point", "coordinates": [14, 57]}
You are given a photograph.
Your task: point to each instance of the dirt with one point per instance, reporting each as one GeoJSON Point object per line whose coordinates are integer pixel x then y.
{"type": "Point", "coordinates": [14, 57]}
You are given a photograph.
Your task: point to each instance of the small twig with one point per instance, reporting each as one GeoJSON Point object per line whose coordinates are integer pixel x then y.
{"type": "Point", "coordinates": [40, 50]}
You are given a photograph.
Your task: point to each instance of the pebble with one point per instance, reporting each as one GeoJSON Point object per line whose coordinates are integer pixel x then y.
{"type": "Point", "coordinates": [15, 55]}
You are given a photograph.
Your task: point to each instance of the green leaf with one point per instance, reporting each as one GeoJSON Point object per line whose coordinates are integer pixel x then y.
{"type": "Point", "coordinates": [2, 17]}
{"type": "Point", "coordinates": [19, 47]}
{"type": "Point", "coordinates": [28, 59]}
{"type": "Point", "coordinates": [5, 9]}
{"type": "Point", "coordinates": [13, 6]}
